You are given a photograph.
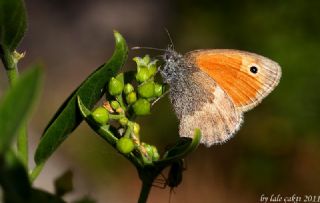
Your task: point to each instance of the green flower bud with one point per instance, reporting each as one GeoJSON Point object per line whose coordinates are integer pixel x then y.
{"type": "Point", "coordinates": [146, 160]}
{"type": "Point", "coordinates": [146, 59]}
{"type": "Point", "coordinates": [100, 115]}
{"type": "Point", "coordinates": [125, 145]}
{"type": "Point", "coordinates": [145, 68]}
{"type": "Point", "coordinates": [142, 74]}
{"type": "Point", "coordinates": [141, 107]}
{"type": "Point", "coordinates": [149, 150]}
{"type": "Point", "coordinates": [136, 128]}
{"type": "Point", "coordinates": [155, 153]}
{"type": "Point", "coordinates": [115, 86]}
{"type": "Point", "coordinates": [146, 90]}
{"type": "Point", "coordinates": [158, 90]}
{"type": "Point", "coordinates": [123, 121]}
{"type": "Point", "coordinates": [153, 68]}
{"type": "Point", "coordinates": [128, 88]}
{"type": "Point", "coordinates": [131, 98]}
{"type": "Point", "coordinates": [139, 61]}
{"type": "Point", "coordinates": [120, 77]}
{"type": "Point", "coordinates": [115, 104]}
{"type": "Point", "coordinates": [146, 156]}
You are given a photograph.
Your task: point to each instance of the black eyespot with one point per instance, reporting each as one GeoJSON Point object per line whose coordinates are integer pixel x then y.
{"type": "Point", "coordinates": [253, 69]}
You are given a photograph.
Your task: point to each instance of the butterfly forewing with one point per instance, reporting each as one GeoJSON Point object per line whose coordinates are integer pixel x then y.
{"type": "Point", "coordinates": [246, 77]}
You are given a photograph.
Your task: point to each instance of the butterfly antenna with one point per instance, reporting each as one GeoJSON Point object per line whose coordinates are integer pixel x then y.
{"type": "Point", "coordinates": [170, 38]}
{"type": "Point", "coordinates": [151, 48]}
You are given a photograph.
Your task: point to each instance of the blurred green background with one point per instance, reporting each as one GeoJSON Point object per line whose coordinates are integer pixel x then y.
{"type": "Point", "coordinates": [277, 150]}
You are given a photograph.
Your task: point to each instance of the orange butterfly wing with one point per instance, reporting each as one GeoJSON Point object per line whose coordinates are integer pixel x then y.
{"type": "Point", "coordinates": [231, 70]}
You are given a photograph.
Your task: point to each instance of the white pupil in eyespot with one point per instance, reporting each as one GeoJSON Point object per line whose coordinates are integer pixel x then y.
{"type": "Point", "coordinates": [253, 69]}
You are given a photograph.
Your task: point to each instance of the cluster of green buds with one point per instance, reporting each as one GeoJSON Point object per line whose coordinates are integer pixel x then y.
{"type": "Point", "coordinates": [127, 100]}
{"type": "Point", "coordinates": [147, 89]}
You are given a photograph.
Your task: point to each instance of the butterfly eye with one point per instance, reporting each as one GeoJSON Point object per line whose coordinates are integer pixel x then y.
{"type": "Point", "coordinates": [253, 69]}
{"type": "Point", "coordinates": [167, 56]}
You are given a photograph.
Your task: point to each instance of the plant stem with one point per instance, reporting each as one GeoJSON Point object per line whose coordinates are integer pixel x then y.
{"type": "Point", "coordinates": [10, 62]}
{"type": "Point", "coordinates": [115, 116]}
{"type": "Point", "coordinates": [120, 100]}
{"type": "Point", "coordinates": [35, 172]}
{"type": "Point", "coordinates": [12, 75]}
{"type": "Point", "coordinates": [145, 190]}
{"type": "Point", "coordinates": [129, 130]}
{"type": "Point", "coordinates": [147, 175]}
{"type": "Point", "coordinates": [22, 145]}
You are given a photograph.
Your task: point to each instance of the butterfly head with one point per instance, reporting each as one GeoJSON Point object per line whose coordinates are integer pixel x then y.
{"type": "Point", "coordinates": [173, 62]}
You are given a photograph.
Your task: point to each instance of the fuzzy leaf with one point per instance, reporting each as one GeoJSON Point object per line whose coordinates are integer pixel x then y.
{"type": "Point", "coordinates": [68, 116]}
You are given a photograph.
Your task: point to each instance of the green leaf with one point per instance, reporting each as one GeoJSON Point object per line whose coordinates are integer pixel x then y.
{"type": "Point", "coordinates": [16, 104]}
{"type": "Point", "coordinates": [183, 147]}
{"type": "Point", "coordinates": [101, 130]}
{"type": "Point", "coordinates": [63, 184]}
{"type": "Point", "coordinates": [68, 116]}
{"type": "Point", "coordinates": [13, 179]}
{"type": "Point", "coordinates": [13, 23]}
{"type": "Point", "coordinates": [15, 185]}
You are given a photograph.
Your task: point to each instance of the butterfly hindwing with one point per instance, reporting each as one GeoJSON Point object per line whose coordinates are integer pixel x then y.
{"type": "Point", "coordinates": [217, 118]}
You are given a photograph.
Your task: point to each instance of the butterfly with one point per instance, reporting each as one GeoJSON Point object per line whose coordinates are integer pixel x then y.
{"type": "Point", "coordinates": [211, 89]}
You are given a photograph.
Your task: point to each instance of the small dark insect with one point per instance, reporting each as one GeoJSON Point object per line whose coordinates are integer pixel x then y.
{"type": "Point", "coordinates": [175, 174]}
{"type": "Point", "coordinates": [174, 177]}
